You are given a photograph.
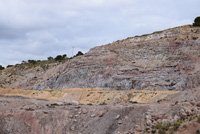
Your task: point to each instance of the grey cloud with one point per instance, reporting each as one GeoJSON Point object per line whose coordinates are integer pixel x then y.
{"type": "Point", "coordinates": [36, 29]}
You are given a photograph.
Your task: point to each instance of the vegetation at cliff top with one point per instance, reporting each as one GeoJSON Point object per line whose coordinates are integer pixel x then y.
{"type": "Point", "coordinates": [32, 63]}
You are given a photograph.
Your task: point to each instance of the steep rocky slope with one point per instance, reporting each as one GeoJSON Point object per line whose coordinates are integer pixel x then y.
{"type": "Point", "coordinates": [164, 60]}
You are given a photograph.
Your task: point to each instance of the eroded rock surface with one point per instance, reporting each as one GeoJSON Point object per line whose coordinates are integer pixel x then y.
{"type": "Point", "coordinates": [166, 60]}
{"type": "Point", "coordinates": [20, 115]}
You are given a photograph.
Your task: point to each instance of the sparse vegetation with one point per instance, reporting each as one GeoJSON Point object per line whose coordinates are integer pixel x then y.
{"type": "Point", "coordinates": [43, 63]}
{"type": "Point", "coordinates": [162, 126]}
{"type": "Point", "coordinates": [171, 128]}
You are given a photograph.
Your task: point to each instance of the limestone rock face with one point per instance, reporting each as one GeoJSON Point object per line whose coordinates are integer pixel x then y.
{"type": "Point", "coordinates": [164, 60]}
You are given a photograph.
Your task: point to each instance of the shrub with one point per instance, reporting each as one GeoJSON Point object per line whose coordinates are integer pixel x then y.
{"type": "Point", "coordinates": [153, 131]}
{"type": "Point", "coordinates": [32, 61]}
{"type": "Point", "coordinates": [198, 119]}
{"type": "Point", "coordinates": [171, 131]}
{"type": "Point", "coordinates": [192, 117]}
{"type": "Point", "coordinates": [64, 56]}
{"type": "Point", "coordinates": [79, 53]}
{"type": "Point", "coordinates": [49, 58]}
{"type": "Point", "coordinates": [161, 131]}
{"type": "Point", "coordinates": [59, 58]}
{"type": "Point", "coordinates": [197, 21]}
{"type": "Point", "coordinates": [185, 126]}
{"type": "Point", "coordinates": [1, 67]}
{"type": "Point", "coordinates": [162, 126]}
{"type": "Point", "coordinates": [177, 125]}
{"type": "Point", "coordinates": [9, 66]}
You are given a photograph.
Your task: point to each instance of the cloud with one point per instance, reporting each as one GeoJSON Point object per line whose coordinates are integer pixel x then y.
{"type": "Point", "coordinates": [36, 29]}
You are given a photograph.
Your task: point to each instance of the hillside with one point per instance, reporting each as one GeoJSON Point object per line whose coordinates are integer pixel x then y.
{"type": "Point", "coordinates": [148, 84]}
{"type": "Point", "coordinates": [164, 60]}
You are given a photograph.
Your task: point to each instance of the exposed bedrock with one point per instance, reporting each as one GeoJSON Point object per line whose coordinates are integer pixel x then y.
{"type": "Point", "coordinates": [166, 60]}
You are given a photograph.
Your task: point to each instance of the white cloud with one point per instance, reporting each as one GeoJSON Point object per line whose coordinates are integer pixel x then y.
{"type": "Point", "coordinates": [36, 29]}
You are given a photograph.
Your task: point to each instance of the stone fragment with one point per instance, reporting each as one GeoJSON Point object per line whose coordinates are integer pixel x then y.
{"type": "Point", "coordinates": [93, 115]}
{"type": "Point", "coordinates": [29, 108]}
{"type": "Point", "coordinates": [119, 122]}
{"type": "Point", "coordinates": [149, 122]}
{"type": "Point", "coordinates": [182, 114]}
{"type": "Point", "coordinates": [198, 104]}
{"type": "Point", "coordinates": [137, 128]}
{"type": "Point", "coordinates": [70, 116]}
{"type": "Point", "coordinates": [101, 113]}
{"type": "Point", "coordinates": [45, 112]}
{"type": "Point", "coordinates": [165, 121]}
{"type": "Point", "coordinates": [117, 117]}
{"type": "Point", "coordinates": [84, 111]}
{"type": "Point", "coordinates": [72, 128]}
{"type": "Point", "coordinates": [76, 116]}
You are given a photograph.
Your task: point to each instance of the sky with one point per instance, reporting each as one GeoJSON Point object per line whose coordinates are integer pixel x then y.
{"type": "Point", "coordinates": [37, 29]}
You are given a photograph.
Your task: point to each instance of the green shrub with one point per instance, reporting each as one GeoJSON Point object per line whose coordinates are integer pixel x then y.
{"type": "Point", "coordinates": [161, 131]}
{"type": "Point", "coordinates": [184, 126]}
{"type": "Point", "coordinates": [61, 57]}
{"type": "Point", "coordinates": [79, 53]}
{"type": "Point", "coordinates": [177, 124]}
{"type": "Point", "coordinates": [32, 61]}
{"type": "Point", "coordinates": [9, 66]}
{"type": "Point", "coordinates": [192, 117]}
{"type": "Point", "coordinates": [49, 58]}
{"type": "Point", "coordinates": [198, 119]}
{"type": "Point", "coordinates": [197, 21]}
{"type": "Point", "coordinates": [162, 126]}
{"type": "Point", "coordinates": [153, 131]}
{"type": "Point", "coordinates": [171, 131]}
{"type": "Point", "coordinates": [1, 67]}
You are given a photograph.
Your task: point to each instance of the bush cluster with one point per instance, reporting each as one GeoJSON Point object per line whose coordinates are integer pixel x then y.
{"type": "Point", "coordinates": [169, 127]}
{"type": "Point", "coordinates": [32, 63]}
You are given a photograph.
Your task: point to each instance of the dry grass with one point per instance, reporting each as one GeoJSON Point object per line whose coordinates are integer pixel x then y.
{"type": "Point", "coordinates": [90, 95]}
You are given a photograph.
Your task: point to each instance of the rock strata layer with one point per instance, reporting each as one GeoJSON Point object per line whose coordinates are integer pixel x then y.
{"type": "Point", "coordinates": [166, 60]}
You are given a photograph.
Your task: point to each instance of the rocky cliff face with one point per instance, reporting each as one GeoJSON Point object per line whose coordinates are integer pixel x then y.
{"type": "Point", "coordinates": [164, 60]}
